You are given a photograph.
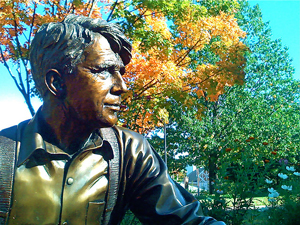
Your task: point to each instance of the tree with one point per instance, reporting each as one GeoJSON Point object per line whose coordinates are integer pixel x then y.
{"type": "Point", "coordinates": [170, 59]}
{"type": "Point", "coordinates": [250, 124]}
{"type": "Point", "coordinates": [170, 40]}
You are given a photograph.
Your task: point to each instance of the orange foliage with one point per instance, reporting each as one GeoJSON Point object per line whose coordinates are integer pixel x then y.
{"type": "Point", "coordinates": [157, 22]}
{"type": "Point", "coordinates": [23, 17]}
{"type": "Point", "coordinates": [163, 74]}
{"type": "Point", "coordinates": [155, 74]}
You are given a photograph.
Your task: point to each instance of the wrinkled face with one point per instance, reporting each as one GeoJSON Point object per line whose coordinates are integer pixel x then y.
{"type": "Point", "coordinates": [94, 92]}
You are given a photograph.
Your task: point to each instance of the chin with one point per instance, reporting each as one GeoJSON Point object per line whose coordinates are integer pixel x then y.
{"type": "Point", "coordinates": [108, 122]}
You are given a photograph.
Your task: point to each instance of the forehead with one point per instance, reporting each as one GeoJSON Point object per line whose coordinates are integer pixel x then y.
{"type": "Point", "coordinates": [100, 53]}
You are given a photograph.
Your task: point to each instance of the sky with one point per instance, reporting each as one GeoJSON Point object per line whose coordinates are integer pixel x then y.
{"type": "Point", "coordinates": [284, 18]}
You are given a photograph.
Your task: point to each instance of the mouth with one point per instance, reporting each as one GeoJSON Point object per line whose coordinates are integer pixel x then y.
{"type": "Point", "coordinates": [114, 107]}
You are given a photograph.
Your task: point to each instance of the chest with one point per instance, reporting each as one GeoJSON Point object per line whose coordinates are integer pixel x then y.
{"type": "Point", "coordinates": [51, 190]}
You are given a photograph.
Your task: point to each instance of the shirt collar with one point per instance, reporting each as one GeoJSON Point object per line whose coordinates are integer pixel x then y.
{"type": "Point", "coordinates": [32, 140]}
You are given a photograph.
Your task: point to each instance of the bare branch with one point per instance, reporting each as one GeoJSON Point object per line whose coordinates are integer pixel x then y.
{"type": "Point", "coordinates": [17, 39]}
{"type": "Point", "coordinates": [32, 22]}
{"type": "Point", "coordinates": [183, 56]}
{"type": "Point", "coordinates": [112, 11]}
{"type": "Point", "coordinates": [26, 91]}
{"type": "Point", "coordinates": [140, 17]}
{"type": "Point", "coordinates": [21, 83]}
{"type": "Point", "coordinates": [148, 86]}
{"type": "Point", "coordinates": [186, 63]}
{"type": "Point", "coordinates": [195, 84]}
{"type": "Point", "coordinates": [9, 71]}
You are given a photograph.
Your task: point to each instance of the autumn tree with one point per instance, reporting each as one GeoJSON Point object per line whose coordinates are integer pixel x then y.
{"type": "Point", "coordinates": [257, 121]}
{"type": "Point", "coordinates": [170, 40]}
{"type": "Point", "coordinates": [170, 46]}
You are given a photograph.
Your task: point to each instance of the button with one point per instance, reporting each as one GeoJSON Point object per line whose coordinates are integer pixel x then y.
{"type": "Point", "coordinates": [70, 181]}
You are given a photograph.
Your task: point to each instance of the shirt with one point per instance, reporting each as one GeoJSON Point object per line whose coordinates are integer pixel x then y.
{"type": "Point", "coordinates": [52, 187]}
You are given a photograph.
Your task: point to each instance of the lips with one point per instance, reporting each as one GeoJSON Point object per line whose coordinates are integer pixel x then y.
{"type": "Point", "coordinates": [115, 107]}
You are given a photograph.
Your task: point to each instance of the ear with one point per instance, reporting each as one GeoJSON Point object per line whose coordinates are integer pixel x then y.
{"type": "Point", "coordinates": [55, 83]}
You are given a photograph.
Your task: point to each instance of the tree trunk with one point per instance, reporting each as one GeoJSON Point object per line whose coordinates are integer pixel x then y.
{"type": "Point", "coordinates": [211, 173]}
{"type": "Point", "coordinates": [29, 105]}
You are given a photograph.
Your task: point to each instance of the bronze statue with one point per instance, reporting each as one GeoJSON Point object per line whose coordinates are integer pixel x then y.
{"type": "Point", "coordinates": [69, 168]}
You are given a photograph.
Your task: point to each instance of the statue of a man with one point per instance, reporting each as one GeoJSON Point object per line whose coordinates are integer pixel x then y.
{"type": "Point", "coordinates": [66, 171]}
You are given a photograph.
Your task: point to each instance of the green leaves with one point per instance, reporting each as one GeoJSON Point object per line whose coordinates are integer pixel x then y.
{"type": "Point", "coordinates": [257, 121]}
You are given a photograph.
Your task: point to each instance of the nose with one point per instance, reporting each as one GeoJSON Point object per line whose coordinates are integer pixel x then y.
{"type": "Point", "coordinates": [119, 86]}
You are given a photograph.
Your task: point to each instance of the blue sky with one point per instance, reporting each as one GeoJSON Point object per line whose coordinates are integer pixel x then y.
{"type": "Point", "coordinates": [284, 18]}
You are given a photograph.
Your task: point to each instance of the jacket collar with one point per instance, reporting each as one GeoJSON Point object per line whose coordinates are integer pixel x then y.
{"type": "Point", "coordinates": [32, 140]}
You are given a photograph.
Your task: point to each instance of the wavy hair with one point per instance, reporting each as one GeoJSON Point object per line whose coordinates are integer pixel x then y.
{"type": "Point", "coordinates": [60, 45]}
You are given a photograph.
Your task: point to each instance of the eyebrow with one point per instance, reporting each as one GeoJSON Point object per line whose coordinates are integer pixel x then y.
{"type": "Point", "coordinates": [108, 64]}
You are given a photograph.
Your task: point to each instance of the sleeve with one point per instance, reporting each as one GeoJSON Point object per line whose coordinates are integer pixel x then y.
{"type": "Point", "coordinates": [151, 194]}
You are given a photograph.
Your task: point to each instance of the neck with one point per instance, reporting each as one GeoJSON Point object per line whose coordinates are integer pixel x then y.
{"type": "Point", "coordinates": [62, 128]}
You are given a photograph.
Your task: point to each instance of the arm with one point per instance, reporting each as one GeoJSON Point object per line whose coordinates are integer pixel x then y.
{"type": "Point", "coordinates": [151, 194]}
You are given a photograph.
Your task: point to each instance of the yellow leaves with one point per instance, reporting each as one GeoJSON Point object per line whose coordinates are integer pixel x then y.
{"type": "Point", "coordinates": [157, 22]}
{"type": "Point", "coordinates": [226, 27]}
{"type": "Point", "coordinates": [197, 34]}
{"type": "Point", "coordinates": [143, 70]}
{"type": "Point", "coordinates": [199, 114]}
{"type": "Point", "coordinates": [19, 17]}
{"type": "Point", "coordinates": [200, 93]}
{"type": "Point", "coordinates": [159, 75]}
{"type": "Point", "coordinates": [163, 115]}
{"type": "Point", "coordinates": [222, 35]}
{"type": "Point", "coordinates": [188, 102]}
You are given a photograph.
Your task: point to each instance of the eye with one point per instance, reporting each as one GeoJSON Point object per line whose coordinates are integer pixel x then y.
{"type": "Point", "coordinates": [112, 69]}
{"type": "Point", "coordinates": [122, 71]}
{"type": "Point", "coordinates": [100, 73]}
{"type": "Point", "coordinates": [115, 69]}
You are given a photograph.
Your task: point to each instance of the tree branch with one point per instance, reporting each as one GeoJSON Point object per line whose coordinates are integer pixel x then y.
{"type": "Point", "coordinates": [20, 78]}
{"type": "Point", "coordinates": [183, 56]}
{"type": "Point", "coordinates": [146, 87]}
{"type": "Point", "coordinates": [112, 11]}
{"type": "Point", "coordinates": [32, 22]}
{"type": "Point", "coordinates": [9, 71]}
{"type": "Point", "coordinates": [26, 91]}
{"type": "Point", "coordinates": [17, 40]}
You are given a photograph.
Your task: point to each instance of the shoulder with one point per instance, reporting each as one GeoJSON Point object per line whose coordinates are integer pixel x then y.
{"type": "Point", "coordinates": [10, 132]}
{"type": "Point", "coordinates": [127, 134]}
{"type": "Point", "coordinates": [132, 141]}
{"type": "Point", "coordinates": [8, 139]}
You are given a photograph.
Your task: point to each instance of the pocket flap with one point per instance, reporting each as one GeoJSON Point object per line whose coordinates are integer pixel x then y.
{"type": "Point", "coordinates": [94, 213]}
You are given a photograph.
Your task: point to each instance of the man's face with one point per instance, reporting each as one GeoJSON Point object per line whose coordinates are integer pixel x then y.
{"type": "Point", "coordinates": [93, 94]}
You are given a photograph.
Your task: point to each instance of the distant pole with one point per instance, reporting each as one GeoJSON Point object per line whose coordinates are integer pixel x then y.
{"type": "Point", "coordinates": [165, 135]}
{"type": "Point", "coordinates": [198, 180]}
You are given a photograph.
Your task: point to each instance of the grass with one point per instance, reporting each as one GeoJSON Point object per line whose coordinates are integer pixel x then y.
{"type": "Point", "coordinates": [258, 201]}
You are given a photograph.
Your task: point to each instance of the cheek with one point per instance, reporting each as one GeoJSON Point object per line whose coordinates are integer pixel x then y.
{"type": "Point", "coordinates": [97, 98]}
{"type": "Point", "coordinates": [98, 93]}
